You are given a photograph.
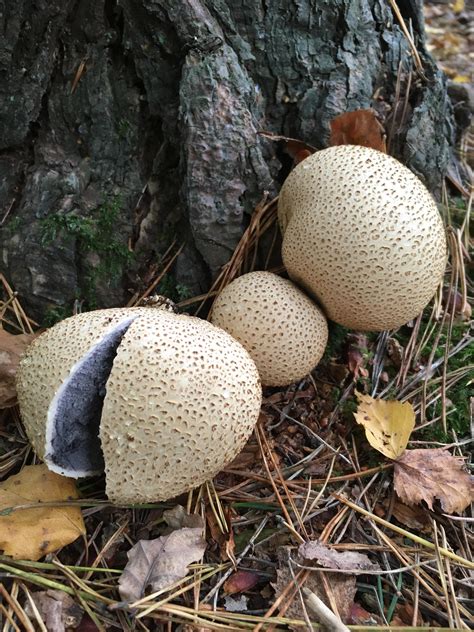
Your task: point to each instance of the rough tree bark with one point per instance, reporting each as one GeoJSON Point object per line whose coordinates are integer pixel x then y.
{"type": "Point", "coordinates": [134, 121]}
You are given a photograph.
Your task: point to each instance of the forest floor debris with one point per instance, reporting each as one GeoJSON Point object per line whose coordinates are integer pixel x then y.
{"type": "Point", "coordinates": [307, 517]}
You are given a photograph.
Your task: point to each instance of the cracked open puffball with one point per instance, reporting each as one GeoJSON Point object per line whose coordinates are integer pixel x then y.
{"type": "Point", "coordinates": [161, 402]}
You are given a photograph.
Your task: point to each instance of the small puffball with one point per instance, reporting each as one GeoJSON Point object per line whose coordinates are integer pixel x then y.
{"type": "Point", "coordinates": [284, 332]}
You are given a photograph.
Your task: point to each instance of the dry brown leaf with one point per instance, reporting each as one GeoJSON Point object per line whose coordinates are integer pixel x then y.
{"type": "Point", "coordinates": [360, 127]}
{"type": "Point", "coordinates": [178, 517]}
{"type": "Point", "coordinates": [31, 533]}
{"type": "Point", "coordinates": [431, 475]}
{"type": "Point", "coordinates": [359, 616]}
{"type": "Point", "coordinates": [225, 540]}
{"type": "Point", "coordinates": [58, 610]}
{"type": "Point", "coordinates": [161, 562]}
{"type": "Point", "coordinates": [11, 348]}
{"type": "Point", "coordinates": [241, 581]}
{"type": "Point", "coordinates": [354, 354]}
{"type": "Point", "coordinates": [403, 616]}
{"type": "Point", "coordinates": [343, 587]}
{"type": "Point", "coordinates": [329, 558]}
{"type": "Point", "coordinates": [87, 625]}
{"type": "Point", "coordinates": [388, 424]}
{"type": "Point", "coordinates": [395, 352]}
{"type": "Point", "coordinates": [412, 517]}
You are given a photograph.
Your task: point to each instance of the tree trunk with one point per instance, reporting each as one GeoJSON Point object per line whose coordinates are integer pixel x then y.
{"type": "Point", "coordinates": [125, 124]}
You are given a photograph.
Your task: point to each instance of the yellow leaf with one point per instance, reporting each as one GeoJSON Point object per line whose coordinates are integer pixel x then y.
{"type": "Point", "coordinates": [388, 424]}
{"type": "Point", "coordinates": [458, 6]}
{"type": "Point", "coordinates": [31, 533]}
{"type": "Point", "coordinates": [461, 79]}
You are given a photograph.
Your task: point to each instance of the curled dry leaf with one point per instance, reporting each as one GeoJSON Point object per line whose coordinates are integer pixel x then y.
{"type": "Point", "coordinates": [431, 475]}
{"type": "Point", "coordinates": [31, 533]}
{"type": "Point", "coordinates": [11, 348]}
{"type": "Point", "coordinates": [159, 563]}
{"type": "Point", "coordinates": [225, 539]}
{"type": "Point", "coordinates": [388, 424]}
{"type": "Point", "coordinates": [453, 301]}
{"type": "Point", "coordinates": [354, 354]}
{"type": "Point", "coordinates": [360, 127]}
{"type": "Point", "coordinates": [329, 558]}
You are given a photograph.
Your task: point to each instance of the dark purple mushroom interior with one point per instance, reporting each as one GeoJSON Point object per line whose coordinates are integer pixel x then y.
{"type": "Point", "coordinates": [75, 445]}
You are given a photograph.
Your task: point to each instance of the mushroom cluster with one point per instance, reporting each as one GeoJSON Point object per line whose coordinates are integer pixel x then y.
{"type": "Point", "coordinates": [159, 401]}
{"type": "Point", "coordinates": [363, 236]}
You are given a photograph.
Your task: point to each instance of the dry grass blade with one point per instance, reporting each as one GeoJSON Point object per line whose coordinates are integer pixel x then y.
{"type": "Point", "coordinates": [426, 543]}
{"type": "Point", "coordinates": [167, 262]}
{"type": "Point", "coordinates": [406, 32]}
{"type": "Point", "coordinates": [264, 447]}
{"type": "Point", "coordinates": [11, 307]}
{"type": "Point", "coordinates": [14, 607]}
{"type": "Point", "coordinates": [79, 72]}
{"type": "Point", "coordinates": [263, 217]}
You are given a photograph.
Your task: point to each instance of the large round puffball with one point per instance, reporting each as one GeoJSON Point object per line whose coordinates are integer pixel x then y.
{"type": "Point", "coordinates": [363, 235]}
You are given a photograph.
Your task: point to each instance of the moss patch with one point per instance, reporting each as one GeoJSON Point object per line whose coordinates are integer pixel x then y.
{"type": "Point", "coordinates": [93, 235]}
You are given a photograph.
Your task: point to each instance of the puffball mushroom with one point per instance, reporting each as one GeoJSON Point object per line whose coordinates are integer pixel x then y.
{"type": "Point", "coordinates": [363, 235]}
{"type": "Point", "coordinates": [159, 401]}
{"type": "Point", "coordinates": [282, 329]}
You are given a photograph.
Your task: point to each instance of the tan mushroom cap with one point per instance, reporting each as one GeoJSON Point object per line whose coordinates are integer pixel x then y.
{"type": "Point", "coordinates": [182, 400]}
{"type": "Point", "coordinates": [363, 235]}
{"type": "Point", "coordinates": [282, 329]}
{"type": "Point", "coordinates": [49, 359]}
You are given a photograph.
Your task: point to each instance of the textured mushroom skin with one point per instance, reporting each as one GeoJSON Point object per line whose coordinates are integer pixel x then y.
{"type": "Point", "coordinates": [182, 400]}
{"type": "Point", "coordinates": [363, 235]}
{"type": "Point", "coordinates": [284, 332]}
{"type": "Point", "coordinates": [72, 435]}
{"type": "Point", "coordinates": [49, 359]}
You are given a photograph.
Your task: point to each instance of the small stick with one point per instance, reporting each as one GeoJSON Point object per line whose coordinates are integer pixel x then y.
{"type": "Point", "coordinates": [325, 616]}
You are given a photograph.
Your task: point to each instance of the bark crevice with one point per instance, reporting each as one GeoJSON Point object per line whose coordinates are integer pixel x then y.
{"type": "Point", "coordinates": [164, 119]}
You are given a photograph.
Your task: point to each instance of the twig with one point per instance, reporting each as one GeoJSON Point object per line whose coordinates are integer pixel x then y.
{"type": "Point", "coordinates": [325, 616]}
{"type": "Point", "coordinates": [7, 212]}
